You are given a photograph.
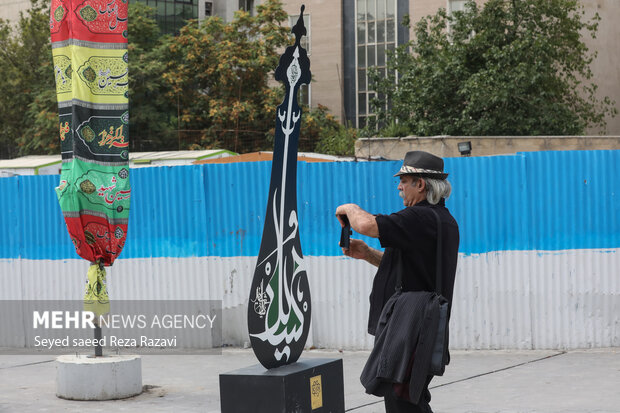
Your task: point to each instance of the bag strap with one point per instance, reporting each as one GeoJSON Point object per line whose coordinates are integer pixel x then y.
{"type": "Point", "coordinates": [439, 272]}
{"type": "Point", "coordinates": [438, 262]}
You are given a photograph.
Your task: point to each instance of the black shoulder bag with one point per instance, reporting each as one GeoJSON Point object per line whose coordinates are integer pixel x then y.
{"type": "Point", "coordinates": [440, 350]}
{"type": "Point", "coordinates": [439, 358]}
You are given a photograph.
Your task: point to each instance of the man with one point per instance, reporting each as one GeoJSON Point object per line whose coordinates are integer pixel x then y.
{"type": "Point", "coordinates": [409, 238]}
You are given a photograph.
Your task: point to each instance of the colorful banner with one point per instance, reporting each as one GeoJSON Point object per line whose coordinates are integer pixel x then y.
{"type": "Point", "coordinates": [89, 44]}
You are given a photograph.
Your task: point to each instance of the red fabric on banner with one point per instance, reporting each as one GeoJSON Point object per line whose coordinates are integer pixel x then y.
{"type": "Point", "coordinates": [95, 238]}
{"type": "Point", "coordinates": [101, 21]}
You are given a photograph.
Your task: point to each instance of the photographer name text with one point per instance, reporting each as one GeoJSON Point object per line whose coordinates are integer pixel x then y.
{"type": "Point", "coordinates": [111, 341]}
{"type": "Point", "coordinates": [86, 319]}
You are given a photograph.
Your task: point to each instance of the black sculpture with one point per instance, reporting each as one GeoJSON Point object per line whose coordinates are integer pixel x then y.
{"type": "Point", "coordinates": [279, 308]}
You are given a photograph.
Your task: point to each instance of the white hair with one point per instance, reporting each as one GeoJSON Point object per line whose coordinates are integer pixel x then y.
{"type": "Point", "coordinates": [437, 189]}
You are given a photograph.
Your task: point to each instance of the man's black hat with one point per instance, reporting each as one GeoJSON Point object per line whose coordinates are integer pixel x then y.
{"type": "Point", "coordinates": [422, 164]}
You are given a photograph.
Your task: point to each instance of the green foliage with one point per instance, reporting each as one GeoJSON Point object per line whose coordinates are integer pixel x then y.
{"type": "Point", "coordinates": [394, 130]}
{"type": "Point", "coordinates": [27, 90]}
{"type": "Point", "coordinates": [210, 86]}
{"type": "Point", "coordinates": [509, 68]}
{"type": "Point", "coordinates": [219, 74]}
{"type": "Point", "coordinates": [152, 113]}
{"type": "Point", "coordinates": [321, 132]}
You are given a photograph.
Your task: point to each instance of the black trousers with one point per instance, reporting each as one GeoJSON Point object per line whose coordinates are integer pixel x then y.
{"type": "Point", "coordinates": [394, 404]}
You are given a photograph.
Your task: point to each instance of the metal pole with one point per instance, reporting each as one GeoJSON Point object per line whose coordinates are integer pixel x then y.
{"type": "Point", "coordinates": [98, 349]}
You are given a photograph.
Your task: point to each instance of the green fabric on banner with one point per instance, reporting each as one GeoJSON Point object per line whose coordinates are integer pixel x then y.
{"type": "Point", "coordinates": [94, 187]}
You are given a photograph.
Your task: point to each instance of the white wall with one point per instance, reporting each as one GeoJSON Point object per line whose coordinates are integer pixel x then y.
{"type": "Point", "coordinates": [502, 300]}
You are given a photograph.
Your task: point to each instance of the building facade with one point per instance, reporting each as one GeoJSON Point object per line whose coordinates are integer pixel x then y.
{"type": "Point", "coordinates": [347, 37]}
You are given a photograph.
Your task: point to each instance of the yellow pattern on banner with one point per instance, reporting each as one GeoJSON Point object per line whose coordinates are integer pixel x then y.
{"type": "Point", "coordinates": [96, 297]}
{"type": "Point", "coordinates": [316, 392]}
{"type": "Point", "coordinates": [93, 75]}
{"type": "Point", "coordinates": [64, 74]}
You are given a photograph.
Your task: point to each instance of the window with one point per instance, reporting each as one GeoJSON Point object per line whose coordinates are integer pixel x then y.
{"type": "Point", "coordinates": [304, 90]}
{"type": "Point", "coordinates": [305, 40]}
{"type": "Point", "coordinates": [456, 5]}
{"type": "Point", "coordinates": [171, 15]}
{"type": "Point", "coordinates": [375, 36]}
{"type": "Point", "coordinates": [247, 5]}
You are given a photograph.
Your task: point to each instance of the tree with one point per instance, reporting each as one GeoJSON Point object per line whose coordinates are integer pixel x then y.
{"type": "Point", "coordinates": [210, 86]}
{"type": "Point", "coordinates": [219, 73]}
{"type": "Point", "coordinates": [152, 113]}
{"type": "Point", "coordinates": [508, 68]}
{"type": "Point", "coordinates": [321, 132]}
{"type": "Point", "coordinates": [27, 90]}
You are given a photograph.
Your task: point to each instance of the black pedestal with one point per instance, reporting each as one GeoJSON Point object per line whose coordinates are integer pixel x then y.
{"type": "Point", "coordinates": [307, 386]}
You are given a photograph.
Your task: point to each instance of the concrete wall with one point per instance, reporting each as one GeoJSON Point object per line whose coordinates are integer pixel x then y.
{"type": "Point", "coordinates": [446, 146]}
{"type": "Point", "coordinates": [9, 9]}
{"type": "Point", "coordinates": [421, 8]}
{"type": "Point", "coordinates": [605, 67]}
{"type": "Point", "coordinates": [325, 51]}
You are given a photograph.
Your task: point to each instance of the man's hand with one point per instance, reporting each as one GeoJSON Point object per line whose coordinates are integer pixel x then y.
{"type": "Point", "coordinates": [357, 249]}
{"type": "Point", "coordinates": [342, 210]}
{"type": "Point", "coordinates": [361, 221]}
{"type": "Point", "coordinates": [360, 250]}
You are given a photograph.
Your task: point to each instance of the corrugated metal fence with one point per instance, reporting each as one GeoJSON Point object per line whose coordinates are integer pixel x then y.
{"type": "Point", "coordinates": [538, 266]}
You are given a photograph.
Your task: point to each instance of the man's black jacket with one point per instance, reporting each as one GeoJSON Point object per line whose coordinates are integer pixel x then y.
{"type": "Point", "coordinates": [408, 325]}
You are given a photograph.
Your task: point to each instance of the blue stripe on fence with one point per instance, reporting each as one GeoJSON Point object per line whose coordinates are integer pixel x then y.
{"type": "Point", "coordinates": [527, 201]}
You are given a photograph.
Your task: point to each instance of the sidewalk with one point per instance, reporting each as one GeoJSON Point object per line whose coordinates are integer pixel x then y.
{"type": "Point", "coordinates": [476, 381]}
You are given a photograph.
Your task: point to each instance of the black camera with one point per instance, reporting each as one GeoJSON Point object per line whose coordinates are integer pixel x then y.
{"type": "Point", "coordinates": [345, 235]}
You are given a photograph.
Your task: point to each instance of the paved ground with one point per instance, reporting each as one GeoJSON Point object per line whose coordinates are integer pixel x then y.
{"type": "Point", "coordinates": [477, 381]}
